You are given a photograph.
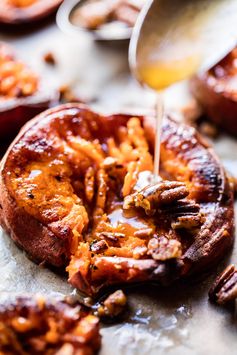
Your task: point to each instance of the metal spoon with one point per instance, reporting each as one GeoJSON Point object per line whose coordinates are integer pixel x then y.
{"type": "Point", "coordinates": [173, 39]}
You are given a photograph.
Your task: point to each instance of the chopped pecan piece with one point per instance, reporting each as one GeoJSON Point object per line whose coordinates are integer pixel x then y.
{"type": "Point", "coordinates": [113, 306]}
{"type": "Point", "coordinates": [111, 237]}
{"type": "Point", "coordinates": [49, 58]}
{"type": "Point", "coordinates": [99, 246]}
{"type": "Point", "coordinates": [224, 289]}
{"type": "Point", "coordinates": [156, 196]}
{"type": "Point", "coordinates": [163, 248]}
{"type": "Point", "coordinates": [143, 233]}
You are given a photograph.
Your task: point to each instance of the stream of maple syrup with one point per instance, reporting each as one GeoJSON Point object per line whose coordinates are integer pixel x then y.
{"type": "Point", "coordinates": [158, 129]}
{"type": "Point", "coordinates": [158, 76]}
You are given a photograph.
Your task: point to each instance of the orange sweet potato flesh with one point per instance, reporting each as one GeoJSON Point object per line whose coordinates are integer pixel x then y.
{"type": "Point", "coordinates": [63, 183]}
{"type": "Point", "coordinates": [23, 94]}
{"type": "Point", "coordinates": [216, 91]}
{"type": "Point", "coordinates": [19, 12]}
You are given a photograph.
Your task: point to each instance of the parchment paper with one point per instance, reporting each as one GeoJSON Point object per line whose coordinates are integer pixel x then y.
{"type": "Point", "coordinates": [177, 320]}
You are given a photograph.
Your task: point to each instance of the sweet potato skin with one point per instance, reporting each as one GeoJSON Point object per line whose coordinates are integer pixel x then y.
{"type": "Point", "coordinates": [218, 107]}
{"type": "Point", "coordinates": [181, 147]}
{"type": "Point", "coordinates": [210, 184]}
{"type": "Point", "coordinates": [15, 115]}
{"type": "Point", "coordinates": [30, 235]}
{"type": "Point", "coordinates": [213, 90]}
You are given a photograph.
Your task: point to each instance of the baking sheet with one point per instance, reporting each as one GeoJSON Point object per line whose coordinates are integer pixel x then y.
{"type": "Point", "coordinates": [176, 320]}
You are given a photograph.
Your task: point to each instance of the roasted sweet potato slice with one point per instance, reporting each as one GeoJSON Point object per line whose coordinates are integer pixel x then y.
{"type": "Point", "coordinates": [22, 93]}
{"type": "Point", "coordinates": [216, 91]}
{"type": "Point", "coordinates": [40, 326]}
{"type": "Point", "coordinates": [77, 190]}
{"type": "Point", "coordinates": [19, 12]}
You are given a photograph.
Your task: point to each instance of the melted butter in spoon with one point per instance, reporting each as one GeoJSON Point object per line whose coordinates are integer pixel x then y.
{"type": "Point", "coordinates": [160, 75]}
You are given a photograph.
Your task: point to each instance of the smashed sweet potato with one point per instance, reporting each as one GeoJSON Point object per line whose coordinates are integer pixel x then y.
{"type": "Point", "coordinates": [34, 325]}
{"type": "Point", "coordinates": [19, 12]}
{"type": "Point", "coordinates": [77, 190]}
{"type": "Point", "coordinates": [16, 79]}
{"type": "Point", "coordinates": [216, 91]}
{"type": "Point", "coordinates": [22, 93]}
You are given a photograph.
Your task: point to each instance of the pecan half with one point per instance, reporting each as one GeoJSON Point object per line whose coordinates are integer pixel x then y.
{"type": "Point", "coordinates": [185, 214]}
{"type": "Point", "coordinates": [224, 289]}
{"type": "Point", "coordinates": [163, 248]}
{"type": "Point", "coordinates": [156, 196]}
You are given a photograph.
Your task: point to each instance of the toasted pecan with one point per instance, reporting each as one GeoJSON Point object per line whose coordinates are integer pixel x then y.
{"type": "Point", "coordinates": [155, 196]}
{"type": "Point", "coordinates": [164, 249]}
{"type": "Point", "coordinates": [113, 305]}
{"type": "Point", "coordinates": [224, 289]}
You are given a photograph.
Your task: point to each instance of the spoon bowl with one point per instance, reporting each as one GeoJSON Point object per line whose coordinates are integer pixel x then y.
{"type": "Point", "coordinates": [173, 39]}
